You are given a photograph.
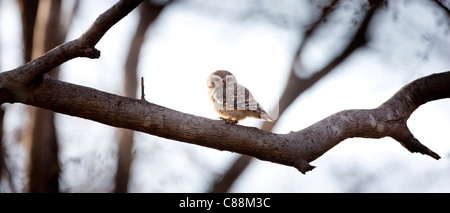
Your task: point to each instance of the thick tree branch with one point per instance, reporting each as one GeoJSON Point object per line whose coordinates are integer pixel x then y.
{"type": "Point", "coordinates": [295, 149]}
{"type": "Point", "coordinates": [27, 74]}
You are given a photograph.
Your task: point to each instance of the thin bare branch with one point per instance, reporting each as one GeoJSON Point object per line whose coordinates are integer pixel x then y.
{"type": "Point", "coordinates": [106, 20]}
{"type": "Point", "coordinates": [442, 6]}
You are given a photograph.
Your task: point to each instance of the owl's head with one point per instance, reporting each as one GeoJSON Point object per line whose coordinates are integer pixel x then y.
{"type": "Point", "coordinates": [220, 78]}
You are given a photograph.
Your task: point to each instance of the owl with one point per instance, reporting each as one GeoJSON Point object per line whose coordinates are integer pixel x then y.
{"type": "Point", "coordinates": [232, 101]}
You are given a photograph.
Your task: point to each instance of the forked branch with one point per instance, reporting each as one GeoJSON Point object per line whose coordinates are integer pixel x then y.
{"type": "Point", "coordinates": [30, 73]}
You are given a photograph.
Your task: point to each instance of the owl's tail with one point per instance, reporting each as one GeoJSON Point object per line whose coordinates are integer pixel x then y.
{"type": "Point", "coordinates": [266, 117]}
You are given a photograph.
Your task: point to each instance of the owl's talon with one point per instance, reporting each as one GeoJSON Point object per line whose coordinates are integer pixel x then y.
{"type": "Point", "coordinates": [230, 121]}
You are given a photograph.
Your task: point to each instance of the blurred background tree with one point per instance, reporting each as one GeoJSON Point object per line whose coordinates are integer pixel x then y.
{"type": "Point", "coordinates": [320, 56]}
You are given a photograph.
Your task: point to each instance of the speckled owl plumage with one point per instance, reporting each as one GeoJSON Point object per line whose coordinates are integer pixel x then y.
{"type": "Point", "coordinates": [232, 101]}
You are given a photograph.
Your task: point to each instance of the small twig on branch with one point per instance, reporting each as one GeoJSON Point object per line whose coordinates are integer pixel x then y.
{"type": "Point", "coordinates": [142, 89]}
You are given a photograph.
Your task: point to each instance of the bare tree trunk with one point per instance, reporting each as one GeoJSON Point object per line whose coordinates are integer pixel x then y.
{"type": "Point", "coordinates": [44, 168]}
{"type": "Point", "coordinates": [28, 11]}
{"type": "Point", "coordinates": [2, 149]}
{"type": "Point", "coordinates": [3, 169]}
{"type": "Point", "coordinates": [5, 173]}
{"type": "Point", "coordinates": [148, 14]}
